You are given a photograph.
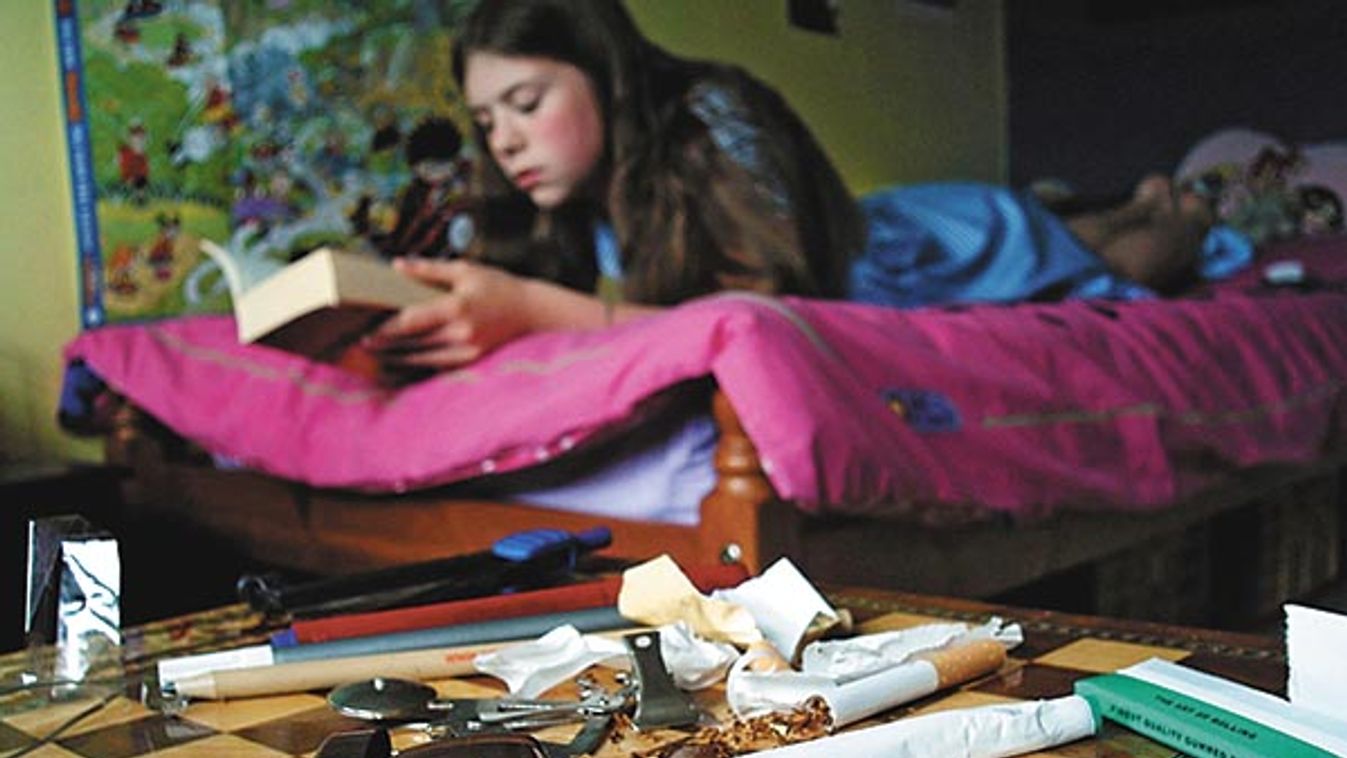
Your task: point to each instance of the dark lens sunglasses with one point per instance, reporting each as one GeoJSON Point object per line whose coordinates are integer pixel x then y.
{"type": "Point", "coordinates": [374, 743]}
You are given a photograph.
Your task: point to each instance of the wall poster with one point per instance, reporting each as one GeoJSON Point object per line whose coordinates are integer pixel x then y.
{"type": "Point", "coordinates": [266, 126]}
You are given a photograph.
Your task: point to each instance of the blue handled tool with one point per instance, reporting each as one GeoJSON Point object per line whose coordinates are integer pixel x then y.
{"type": "Point", "coordinates": [524, 560]}
{"type": "Point", "coordinates": [536, 543]}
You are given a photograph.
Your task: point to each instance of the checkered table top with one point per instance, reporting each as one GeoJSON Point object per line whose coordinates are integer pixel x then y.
{"type": "Point", "coordinates": [1058, 649]}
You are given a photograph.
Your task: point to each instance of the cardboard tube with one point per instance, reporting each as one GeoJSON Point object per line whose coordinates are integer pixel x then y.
{"type": "Point", "coordinates": [302, 676]}
{"type": "Point", "coordinates": [281, 678]}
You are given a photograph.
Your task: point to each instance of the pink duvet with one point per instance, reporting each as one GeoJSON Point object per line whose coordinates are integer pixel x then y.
{"type": "Point", "coordinates": [1018, 409]}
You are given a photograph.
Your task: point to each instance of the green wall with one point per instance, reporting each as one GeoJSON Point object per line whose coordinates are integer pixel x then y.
{"type": "Point", "coordinates": [37, 242]}
{"type": "Point", "coordinates": [904, 94]}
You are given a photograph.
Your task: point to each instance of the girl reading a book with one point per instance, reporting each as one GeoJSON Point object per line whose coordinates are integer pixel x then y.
{"type": "Point", "coordinates": [620, 179]}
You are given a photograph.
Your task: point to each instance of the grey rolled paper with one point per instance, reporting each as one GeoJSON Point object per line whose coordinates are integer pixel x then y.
{"type": "Point", "coordinates": [498, 630]}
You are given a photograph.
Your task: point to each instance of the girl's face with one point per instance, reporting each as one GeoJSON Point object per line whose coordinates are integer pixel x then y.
{"type": "Point", "coordinates": [541, 119]}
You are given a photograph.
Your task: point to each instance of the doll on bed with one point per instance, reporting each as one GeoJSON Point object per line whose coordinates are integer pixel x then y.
{"type": "Point", "coordinates": [613, 165]}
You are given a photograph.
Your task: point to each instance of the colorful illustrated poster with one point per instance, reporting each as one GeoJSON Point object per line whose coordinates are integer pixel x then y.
{"type": "Point", "coordinates": [268, 127]}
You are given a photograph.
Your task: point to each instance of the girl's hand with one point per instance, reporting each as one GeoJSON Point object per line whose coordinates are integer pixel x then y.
{"type": "Point", "coordinates": [482, 307]}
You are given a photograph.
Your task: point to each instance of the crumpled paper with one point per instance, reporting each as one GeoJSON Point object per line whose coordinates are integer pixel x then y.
{"type": "Point", "coordinates": [658, 593]}
{"type": "Point", "coordinates": [785, 606]}
{"type": "Point", "coordinates": [531, 668]}
{"type": "Point", "coordinates": [863, 675]}
{"type": "Point", "coordinates": [856, 657]}
{"type": "Point", "coordinates": [693, 662]}
{"type": "Point", "coordinates": [754, 688]}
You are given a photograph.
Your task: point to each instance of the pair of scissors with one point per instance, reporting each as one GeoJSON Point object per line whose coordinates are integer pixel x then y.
{"type": "Point", "coordinates": [400, 701]}
{"type": "Point", "coordinates": [385, 699]}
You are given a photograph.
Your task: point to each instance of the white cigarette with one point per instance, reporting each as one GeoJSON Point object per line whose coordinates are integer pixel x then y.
{"type": "Point", "coordinates": [992, 731]}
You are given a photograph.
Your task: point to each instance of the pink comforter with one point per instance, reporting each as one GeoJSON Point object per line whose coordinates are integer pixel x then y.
{"type": "Point", "coordinates": [1019, 409]}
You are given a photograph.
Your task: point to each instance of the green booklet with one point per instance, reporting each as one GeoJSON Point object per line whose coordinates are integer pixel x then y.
{"type": "Point", "coordinates": [1188, 724]}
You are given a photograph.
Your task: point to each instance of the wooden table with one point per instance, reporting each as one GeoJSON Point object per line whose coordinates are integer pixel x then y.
{"type": "Point", "coordinates": [1058, 649]}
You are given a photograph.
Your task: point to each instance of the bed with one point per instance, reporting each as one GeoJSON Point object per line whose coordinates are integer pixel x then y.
{"type": "Point", "coordinates": [1185, 454]}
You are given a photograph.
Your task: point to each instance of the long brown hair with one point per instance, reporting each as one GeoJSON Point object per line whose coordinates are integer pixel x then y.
{"type": "Point", "coordinates": [689, 218]}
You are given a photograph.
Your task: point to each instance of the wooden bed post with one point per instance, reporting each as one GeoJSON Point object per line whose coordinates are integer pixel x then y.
{"type": "Point", "coordinates": [131, 442]}
{"type": "Point", "coordinates": [741, 518]}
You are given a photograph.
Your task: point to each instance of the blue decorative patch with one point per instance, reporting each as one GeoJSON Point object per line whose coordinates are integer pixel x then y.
{"type": "Point", "coordinates": [924, 410]}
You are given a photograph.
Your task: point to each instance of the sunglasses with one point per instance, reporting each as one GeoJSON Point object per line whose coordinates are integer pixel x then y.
{"type": "Point", "coordinates": [374, 743]}
{"type": "Point", "coordinates": [480, 746]}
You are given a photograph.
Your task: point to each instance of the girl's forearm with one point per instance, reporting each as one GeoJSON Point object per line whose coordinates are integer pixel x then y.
{"type": "Point", "coordinates": [551, 306]}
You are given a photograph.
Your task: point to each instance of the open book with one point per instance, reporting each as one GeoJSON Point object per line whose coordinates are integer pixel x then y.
{"type": "Point", "coordinates": [319, 305]}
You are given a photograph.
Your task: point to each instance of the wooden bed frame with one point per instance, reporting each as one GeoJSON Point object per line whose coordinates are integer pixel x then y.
{"type": "Point", "coordinates": [1279, 530]}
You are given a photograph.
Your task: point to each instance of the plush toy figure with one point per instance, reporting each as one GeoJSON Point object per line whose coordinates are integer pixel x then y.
{"type": "Point", "coordinates": [1266, 187]}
